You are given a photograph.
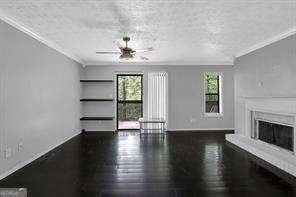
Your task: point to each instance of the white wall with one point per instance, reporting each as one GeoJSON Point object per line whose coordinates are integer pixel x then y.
{"type": "Point", "coordinates": [39, 97]}
{"type": "Point", "coordinates": [185, 92]}
{"type": "Point", "coordinates": [265, 73]}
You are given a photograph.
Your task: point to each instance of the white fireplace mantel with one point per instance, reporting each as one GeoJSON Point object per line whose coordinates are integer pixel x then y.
{"type": "Point", "coordinates": [282, 106]}
{"type": "Point", "coordinates": [274, 105]}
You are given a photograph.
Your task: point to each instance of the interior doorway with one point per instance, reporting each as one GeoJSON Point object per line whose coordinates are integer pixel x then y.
{"type": "Point", "coordinates": [129, 101]}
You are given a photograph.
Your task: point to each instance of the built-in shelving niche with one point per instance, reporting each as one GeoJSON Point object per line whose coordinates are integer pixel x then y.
{"type": "Point", "coordinates": [98, 105]}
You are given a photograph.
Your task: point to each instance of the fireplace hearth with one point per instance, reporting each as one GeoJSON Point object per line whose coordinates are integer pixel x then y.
{"type": "Point", "coordinates": [266, 127]}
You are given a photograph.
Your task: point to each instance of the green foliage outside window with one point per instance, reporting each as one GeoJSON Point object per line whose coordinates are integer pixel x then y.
{"type": "Point", "coordinates": [129, 88]}
{"type": "Point", "coordinates": [129, 111]}
{"type": "Point", "coordinates": [212, 83]}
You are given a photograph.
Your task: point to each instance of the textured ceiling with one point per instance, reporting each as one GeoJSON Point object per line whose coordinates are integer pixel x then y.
{"type": "Point", "coordinates": [179, 30]}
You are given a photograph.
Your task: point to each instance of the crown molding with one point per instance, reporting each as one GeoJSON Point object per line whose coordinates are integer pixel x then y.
{"type": "Point", "coordinates": [11, 21]}
{"type": "Point", "coordinates": [266, 42]}
{"type": "Point", "coordinates": [177, 63]}
{"type": "Point", "coordinates": [21, 27]}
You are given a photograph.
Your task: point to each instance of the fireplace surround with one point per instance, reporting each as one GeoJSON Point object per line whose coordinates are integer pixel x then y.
{"type": "Point", "coordinates": [268, 131]}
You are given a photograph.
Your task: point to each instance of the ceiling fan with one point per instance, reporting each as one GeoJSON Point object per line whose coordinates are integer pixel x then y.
{"type": "Point", "coordinates": [127, 53]}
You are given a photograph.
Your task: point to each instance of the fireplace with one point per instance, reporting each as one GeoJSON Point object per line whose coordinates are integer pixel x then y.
{"type": "Point", "coordinates": [274, 129]}
{"type": "Point", "coordinates": [276, 134]}
{"type": "Point", "coordinates": [266, 127]}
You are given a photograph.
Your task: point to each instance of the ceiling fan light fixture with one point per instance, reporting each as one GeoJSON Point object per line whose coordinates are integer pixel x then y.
{"type": "Point", "coordinates": [126, 52]}
{"type": "Point", "coordinates": [126, 56]}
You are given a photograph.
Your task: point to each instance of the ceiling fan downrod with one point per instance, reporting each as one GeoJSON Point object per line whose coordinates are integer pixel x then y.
{"type": "Point", "coordinates": [126, 39]}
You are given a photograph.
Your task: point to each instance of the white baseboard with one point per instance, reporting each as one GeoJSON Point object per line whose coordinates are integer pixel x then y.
{"type": "Point", "coordinates": [93, 131]}
{"type": "Point", "coordinates": [202, 129]}
{"type": "Point", "coordinates": [195, 129]}
{"type": "Point", "coordinates": [24, 163]}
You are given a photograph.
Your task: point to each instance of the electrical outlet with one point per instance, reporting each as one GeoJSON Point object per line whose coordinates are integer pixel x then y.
{"type": "Point", "coordinates": [20, 147]}
{"type": "Point", "coordinates": [7, 153]}
{"type": "Point", "coordinates": [192, 120]}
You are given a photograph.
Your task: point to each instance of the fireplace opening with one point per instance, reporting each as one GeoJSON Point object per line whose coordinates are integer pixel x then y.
{"type": "Point", "coordinates": [276, 134]}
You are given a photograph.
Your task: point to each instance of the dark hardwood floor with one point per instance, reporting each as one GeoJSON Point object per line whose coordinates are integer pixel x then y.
{"type": "Point", "coordinates": [181, 164]}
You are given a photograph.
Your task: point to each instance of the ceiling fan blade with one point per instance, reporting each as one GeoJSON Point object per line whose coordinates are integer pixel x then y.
{"type": "Point", "coordinates": [106, 52]}
{"type": "Point", "coordinates": [118, 44]}
{"type": "Point", "coordinates": [144, 58]}
{"type": "Point", "coordinates": [144, 50]}
{"type": "Point", "coordinates": [141, 57]}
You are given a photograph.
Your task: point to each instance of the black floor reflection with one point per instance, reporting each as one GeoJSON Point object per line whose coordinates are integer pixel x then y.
{"type": "Point", "coordinates": [127, 164]}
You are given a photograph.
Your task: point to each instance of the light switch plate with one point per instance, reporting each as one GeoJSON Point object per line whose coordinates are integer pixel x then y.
{"type": "Point", "coordinates": [20, 146]}
{"type": "Point", "coordinates": [7, 153]}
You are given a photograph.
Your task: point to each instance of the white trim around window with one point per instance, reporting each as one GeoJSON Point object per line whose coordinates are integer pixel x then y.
{"type": "Point", "coordinates": [207, 114]}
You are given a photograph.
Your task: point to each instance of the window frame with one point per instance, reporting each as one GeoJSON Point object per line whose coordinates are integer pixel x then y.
{"type": "Point", "coordinates": [220, 99]}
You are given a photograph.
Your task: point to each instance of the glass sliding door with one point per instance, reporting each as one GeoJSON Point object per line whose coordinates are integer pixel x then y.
{"type": "Point", "coordinates": [129, 101]}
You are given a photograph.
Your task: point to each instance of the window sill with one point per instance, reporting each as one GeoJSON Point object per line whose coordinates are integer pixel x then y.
{"type": "Point", "coordinates": [214, 115]}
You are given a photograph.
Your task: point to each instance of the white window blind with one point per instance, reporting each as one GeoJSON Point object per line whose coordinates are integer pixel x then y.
{"type": "Point", "coordinates": [157, 95]}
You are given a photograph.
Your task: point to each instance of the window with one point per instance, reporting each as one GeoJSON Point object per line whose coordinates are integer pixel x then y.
{"type": "Point", "coordinates": [212, 94]}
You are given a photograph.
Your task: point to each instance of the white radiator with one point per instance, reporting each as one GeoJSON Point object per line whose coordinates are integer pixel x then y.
{"type": "Point", "coordinates": [157, 95]}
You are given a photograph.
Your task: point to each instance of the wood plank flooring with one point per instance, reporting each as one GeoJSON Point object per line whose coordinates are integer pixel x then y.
{"type": "Point", "coordinates": [127, 165]}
